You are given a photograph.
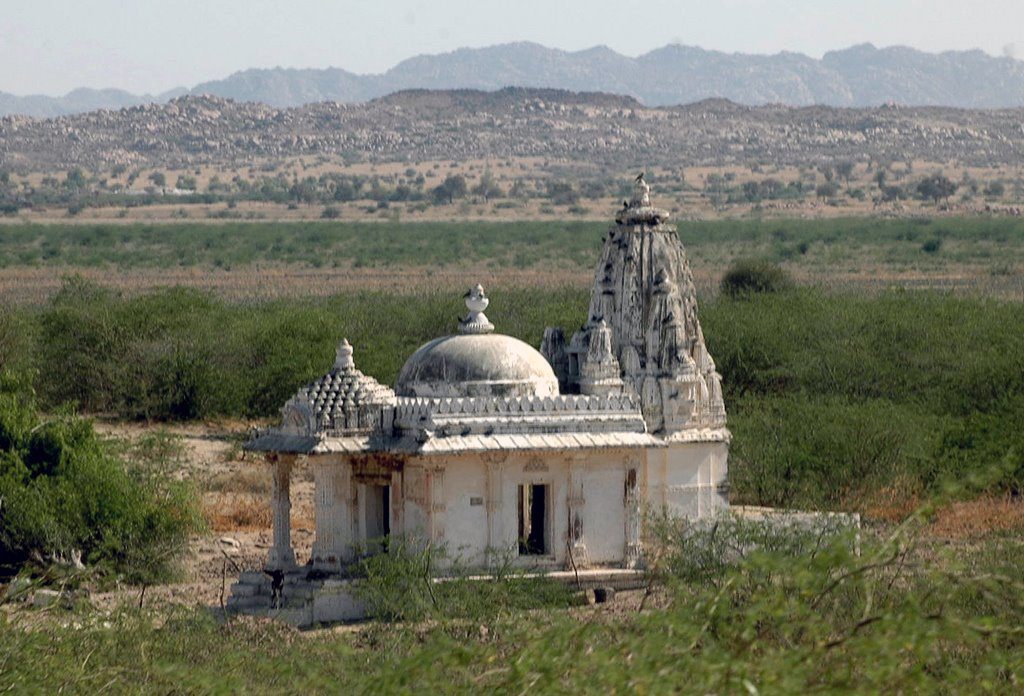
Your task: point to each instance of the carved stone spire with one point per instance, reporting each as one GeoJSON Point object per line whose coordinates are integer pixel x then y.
{"type": "Point", "coordinates": [599, 368]}
{"type": "Point", "coordinates": [476, 322]}
{"type": "Point", "coordinates": [645, 302]}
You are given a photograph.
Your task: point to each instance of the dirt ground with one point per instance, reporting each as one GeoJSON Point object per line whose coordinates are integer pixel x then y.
{"type": "Point", "coordinates": [235, 490]}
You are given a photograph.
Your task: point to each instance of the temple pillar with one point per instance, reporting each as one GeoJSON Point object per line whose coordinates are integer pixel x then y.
{"type": "Point", "coordinates": [282, 556]}
{"type": "Point", "coordinates": [633, 519]}
{"type": "Point", "coordinates": [497, 542]}
{"type": "Point", "coordinates": [437, 505]}
{"type": "Point", "coordinates": [334, 538]}
{"type": "Point", "coordinates": [575, 501]}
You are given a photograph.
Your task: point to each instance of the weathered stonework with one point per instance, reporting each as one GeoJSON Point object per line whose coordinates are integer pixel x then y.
{"type": "Point", "coordinates": [644, 296]}
{"type": "Point", "coordinates": [497, 451]}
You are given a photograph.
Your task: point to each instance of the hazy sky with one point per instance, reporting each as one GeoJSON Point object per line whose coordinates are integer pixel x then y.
{"type": "Point", "coordinates": [52, 46]}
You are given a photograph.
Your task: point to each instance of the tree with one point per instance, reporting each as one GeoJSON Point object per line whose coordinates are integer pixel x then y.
{"type": "Point", "coordinates": [519, 190]}
{"type": "Point", "coordinates": [488, 187]}
{"type": "Point", "coordinates": [749, 276]}
{"type": "Point", "coordinates": [75, 179]}
{"type": "Point", "coordinates": [562, 193]}
{"type": "Point", "coordinates": [845, 171]}
{"type": "Point", "coordinates": [158, 179]}
{"type": "Point", "coordinates": [453, 186]}
{"type": "Point", "coordinates": [936, 187]}
{"type": "Point", "coordinates": [891, 194]}
{"type": "Point", "coordinates": [186, 183]}
{"type": "Point", "coordinates": [827, 190]}
{"type": "Point", "coordinates": [995, 189]}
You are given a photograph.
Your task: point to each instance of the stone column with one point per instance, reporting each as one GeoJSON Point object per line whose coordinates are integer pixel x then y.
{"type": "Point", "coordinates": [632, 503]}
{"type": "Point", "coordinates": [334, 536]}
{"type": "Point", "coordinates": [438, 506]}
{"type": "Point", "coordinates": [496, 536]}
{"type": "Point", "coordinates": [575, 541]}
{"type": "Point", "coordinates": [282, 557]}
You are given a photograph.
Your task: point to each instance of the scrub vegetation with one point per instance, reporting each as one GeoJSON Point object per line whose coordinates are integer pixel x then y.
{"type": "Point", "coordinates": [836, 400]}
{"type": "Point", "coordinates": [900, 404]}
{"type": "Point", "coordinates": [798, 615]}
{"type": "Point", "coordinates": [814, 244]}
{"type": "Point", "coordinates": [67, 499]}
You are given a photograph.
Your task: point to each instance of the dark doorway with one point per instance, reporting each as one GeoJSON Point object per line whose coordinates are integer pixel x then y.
{"type": "Point", "coordinates": [533, 520]}
{"type": "Point", "coordinates": [378, 517]}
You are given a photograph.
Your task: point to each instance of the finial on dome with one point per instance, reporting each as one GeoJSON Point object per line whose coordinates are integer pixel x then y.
{"type": "Point", "coordinates": [475, 322]}
{"type": "Point", "coordinates": [343, 356]}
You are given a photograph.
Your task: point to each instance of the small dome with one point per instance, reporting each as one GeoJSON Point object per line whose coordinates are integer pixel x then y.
{"type": "Point", "coordinates": [477, 365]}
{"type": "Point", "coordinates": [476, 362]}
{"type": "Point", "coordinates": [343, 400]}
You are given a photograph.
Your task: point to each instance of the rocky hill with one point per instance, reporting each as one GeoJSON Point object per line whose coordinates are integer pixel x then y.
{"type": "Point", "coordinates": [858, 76]}
{"type": "Point", "coordinates": [598, 129]}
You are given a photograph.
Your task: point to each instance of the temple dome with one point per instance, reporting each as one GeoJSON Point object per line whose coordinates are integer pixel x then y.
{"type": "Point", "coordinates": [476, 362]}
{"type": "Point", "coordinates": [477, 365]}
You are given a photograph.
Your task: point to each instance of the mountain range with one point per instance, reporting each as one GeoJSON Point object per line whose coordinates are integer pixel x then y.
{"type": "Point", "coordinates": [859, 76]}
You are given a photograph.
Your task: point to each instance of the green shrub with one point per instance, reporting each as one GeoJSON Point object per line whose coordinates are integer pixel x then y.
{"type": "Point", "coordinates": [63, 491]}
{"type": "Point", "coordinates": [800, 616]}
{"type": "Point", "coordinates": [799, 451]}
{"type": "Point", "coordinates": [747, 276]}
{"type": "Point", "coordinates": [400, 586]}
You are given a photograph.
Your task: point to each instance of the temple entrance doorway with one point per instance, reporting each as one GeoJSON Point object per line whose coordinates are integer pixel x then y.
{"type": "Point", "coordinates": [533, 520]}
{"type": "Point", "coordinates": [377, 520]}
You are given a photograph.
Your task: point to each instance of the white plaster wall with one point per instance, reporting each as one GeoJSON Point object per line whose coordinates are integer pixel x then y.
{"type": "Point", "coordinates": [550, 469]}
{"type": "Point", "coordinates": [604, 509]}
{"type": "Point", "coordinates": [332, 497]}
{"type": "Point", "coordinates": [465, 529]}
{"type": "Point", "coordinates": [438, 495]}
{"type": "Point", "coordinates": [415, 507]}
{"type": "Point", "coordinates": [684, 479]}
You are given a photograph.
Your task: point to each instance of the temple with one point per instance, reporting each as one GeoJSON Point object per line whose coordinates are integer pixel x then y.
{"type": "Point", "coordinates": [498, 452]}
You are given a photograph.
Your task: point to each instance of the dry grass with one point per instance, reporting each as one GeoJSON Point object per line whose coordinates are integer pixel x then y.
{"type": "Point", "coordinates": [232, 513]}
{"type": "Point", "coordinates": [690, 201]}
{"type": "Point", "coordinates": [249, 480]}
{"type": "Point", "coordinates": [893, 503]}
{"type": "Point", "coordinates": [28, 285]}
{"type": "Point", "coordinates": [979, 517]}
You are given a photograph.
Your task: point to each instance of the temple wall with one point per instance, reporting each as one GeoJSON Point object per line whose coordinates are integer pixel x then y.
{"type": "Point", "coordinates": [478, 520]}
{"type": "Point", "coordinates": [334, 502]}
{"type": "Point", "coordinates": [685, 479]}
{"type": "Point", "coordinates": [465, 494]}
{"type": "Point", "coordinates": [470, 503]}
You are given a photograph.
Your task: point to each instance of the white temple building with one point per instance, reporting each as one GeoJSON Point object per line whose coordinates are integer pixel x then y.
{"type": "Point", "coordinates": [552, 458]}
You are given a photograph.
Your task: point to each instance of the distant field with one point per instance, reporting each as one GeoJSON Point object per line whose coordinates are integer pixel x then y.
{"type": "Point", "coordinates": [241, 260]}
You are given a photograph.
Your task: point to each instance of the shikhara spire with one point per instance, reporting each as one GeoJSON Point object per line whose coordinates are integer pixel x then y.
{"type": "Point", "coordinates": [644, 301]}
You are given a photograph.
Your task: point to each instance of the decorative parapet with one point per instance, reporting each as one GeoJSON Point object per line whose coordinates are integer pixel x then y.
{"type": "Point", "coordinates": [409, 408]}
{"type": "Point", "coordinates": [429, 418]}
